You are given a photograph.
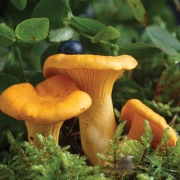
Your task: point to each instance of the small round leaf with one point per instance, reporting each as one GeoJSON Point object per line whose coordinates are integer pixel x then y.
{"type": "Point", "coordinates": [19, 4]}
{"type": "Point", "coordinates": [108, 33]}
{"type": "Point", "coordinates": [61, 34]}
{"type": "Point", "coordinates": [87, 25]}
{"type": "Point", "coordinates": [33, 30]}
{"type": "Point", "coordinates": [7, 35]}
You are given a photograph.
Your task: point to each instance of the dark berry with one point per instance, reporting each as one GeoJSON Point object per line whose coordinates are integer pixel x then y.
{"type": "Point", "coordinates": [71, 47]}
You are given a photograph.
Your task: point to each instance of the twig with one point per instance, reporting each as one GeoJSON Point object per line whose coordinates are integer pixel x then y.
{"type": "Point", "coordinates": [173, 120]}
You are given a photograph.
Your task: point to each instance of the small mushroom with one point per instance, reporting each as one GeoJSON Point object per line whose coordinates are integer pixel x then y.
{"type": "Point", "coordinates": [95, 75]}
{"type": "Point", "coordinates": [135, 113]}
{"type": "Point", "coordinates": [46, 106]}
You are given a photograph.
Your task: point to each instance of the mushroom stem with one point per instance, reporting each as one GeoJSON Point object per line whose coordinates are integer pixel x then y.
{"type": "Point", "coordinates": [45, 130]}
{"type": "Point", "coordinates": [97, 124]}
{"type": "Point", "coordinates": [97, 127]}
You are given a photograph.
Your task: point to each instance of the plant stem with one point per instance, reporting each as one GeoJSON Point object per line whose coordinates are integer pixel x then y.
{"type": "Point", "coordinates": [21, 63]}
{"type": "Point", "coordinates": [11, 56]}
{"type": "Point", "coordinates": [107, 43]}
{"type": "Point", "coordinates": [68, 7]}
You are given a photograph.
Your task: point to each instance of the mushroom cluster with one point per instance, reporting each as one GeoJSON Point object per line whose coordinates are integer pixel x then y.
{"type": "Point", "coordinates": [94, 75]}
{"type": "Point", "coordinates": [46, 106]}
{"type": "Point", "coordinates": [81, 85]}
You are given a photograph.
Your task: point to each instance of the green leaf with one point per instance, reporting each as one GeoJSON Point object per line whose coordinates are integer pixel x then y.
{"type": "Point", "coordinates": [164, 40]}
{"type": "Point", "coordinates": [19, 4]}
{"type": "Point", "coordinates": [33, 30]}
{"type": "Point", "coordinates": [3, 58]}
{"type": "Point", "coordinates": [98, 49]}
{"type": "Point", "coordinates": [138, 10]}
{"type": "Point", "coordinates": [125, 89]}
{"type": "Point", "coordinates": [15, 71]}
{"type": "Point", "coordinates": [178, 33]}
{"type": "Point", "coordinates": [108, 33]}
{"type": "Point", "coordinates": [87, 25]}
{"type": "Point", "coordinates": [164, 141]}
{"type": "Point", "coordinates": [141, 51]}
{"type": "Point", "coordinates": [7, 35]}
{"type": "Point", "coordinates": [31, 54]}
{"type": "Point", "coordinates": [168, 86]}
{"type": "Point", "coordinates": [7, 122]}
{"type": "Point", "coordinates": [3, 52]}
{"type": "Point", "coordinates": [52, 49]}
{"type": "Point", "coordinates": [119, 131]}
{"type": "Point", "coordinates": [128, 35]}
{"type": "Point", "coordinates": [36, 78]}
{"type": "Point", "coordinates": [6, 172]}
{"type": "Point", "coordinates": [147, 137]}
{"type": "Point", "coordinates": [133, 148]}
{"type": "Point", "coordinates": [6, 81]}
{"type": "Point", "coordinates": [54, 10]}
{"type": "Point", "coordinates": [144, 176]}
{"type": "Point", "coordinates": [61, 34]}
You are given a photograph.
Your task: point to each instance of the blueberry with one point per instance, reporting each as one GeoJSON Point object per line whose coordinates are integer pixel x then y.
{"type": "Point", "coordinates": [71, 47]}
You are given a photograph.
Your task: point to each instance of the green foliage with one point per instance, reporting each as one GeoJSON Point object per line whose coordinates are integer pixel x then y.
{"type": "Point", "coordinates": [126, 159]}
{"type": "Point", "coordinates": [19, 4]}
{"type": "Point", "coordinates": [108, 33]}
{"type": "Point", "coordinates": [138, 149]}
{"type": "Point", "coordinates": [143, 176]}
{"type": "Point", "coordinates": [125, 89]}
{"type": "Point", "coordinates": [141, 51]}
{"type": "Point", "coordinates": [168, 110]}
{"type": "Point", "coordinates": [54, 11]}
{"type": "Point", "coordinates": [164, 40]}
{"type": "Point", "coordinates": [7, 35]}
{"type": "Point", "coordinates": [6, 81]}
{"type": "Point", "coordinates": [138, 11]}
{"type": "Point", "coordinates": [61, 34]}
{"type": "Point", "coordinates": [26, 31]}
{"type": "Point", "coordinates": [113, 157]}
{"type": "Point", "coordinates": [86, 25]}
{"type": "Point", "coordinates": [24, 161]}
{"type": "Point", "coordinates": [131, 158]}
{"type": "Point", "coordinates": [168, 85]}
{"type": "Point", "coordinates": [32, 30]}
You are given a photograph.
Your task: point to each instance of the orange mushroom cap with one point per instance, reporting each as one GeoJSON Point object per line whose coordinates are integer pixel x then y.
{"type": "Point", "coordinates": [135, 113]}
{"type": "Point", "coordinates": [51, 101]}
{"type": "Point", "coordinates": [54, 63]}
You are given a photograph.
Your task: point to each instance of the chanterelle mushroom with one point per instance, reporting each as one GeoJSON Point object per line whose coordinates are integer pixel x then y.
{"type": "Point", "coordinates": [135, 113]}
{"type": "Point", "coordinates": [46, 106]}
{"type": "Point", "coordinates": [95, 75]}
